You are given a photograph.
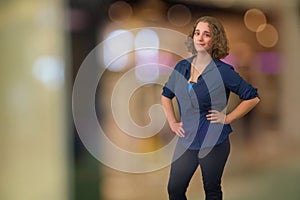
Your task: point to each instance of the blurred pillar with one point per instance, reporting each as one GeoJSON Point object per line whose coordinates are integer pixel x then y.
{"type": "Point", "coordinates": [34, 125]}
{"type": "Point", "coordinates": [290, 82]}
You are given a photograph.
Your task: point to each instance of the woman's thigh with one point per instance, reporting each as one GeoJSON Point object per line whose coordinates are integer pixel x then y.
{"type": "Point", "coordinates": [212, 165]}
{"type": "Point", "coordinates": [182, 168]}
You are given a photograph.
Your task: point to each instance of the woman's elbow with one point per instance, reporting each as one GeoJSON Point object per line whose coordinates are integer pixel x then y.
{"type": "Point", "coordinates": [165, 99]}
{"type": "Point", "coordinates": [256, 100]}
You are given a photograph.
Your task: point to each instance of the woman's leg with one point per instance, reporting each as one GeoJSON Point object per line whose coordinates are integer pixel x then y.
{"type": "Point", "coordinates": [212, 167]}
{"type": "Point", "coordinates": [181, 173]}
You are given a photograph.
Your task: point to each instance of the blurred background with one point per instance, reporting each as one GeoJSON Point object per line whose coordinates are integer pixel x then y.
{"type": "Point", "coordinates": [43, 44]}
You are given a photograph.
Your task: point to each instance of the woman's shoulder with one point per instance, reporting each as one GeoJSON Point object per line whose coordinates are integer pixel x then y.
{"type": "Point", "coordinates": [186, 60]}
{"type": "Point", "coordinates": [223, 65]}
{"type": "Point", "coordinates": [183, 64]}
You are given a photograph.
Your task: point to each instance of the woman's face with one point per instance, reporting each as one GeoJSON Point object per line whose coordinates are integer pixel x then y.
{"type": "Point", "coordinates": [202, 37]}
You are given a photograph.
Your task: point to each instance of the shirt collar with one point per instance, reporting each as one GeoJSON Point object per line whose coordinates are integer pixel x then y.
{"type": "Point", "coordinates": [212, 65]}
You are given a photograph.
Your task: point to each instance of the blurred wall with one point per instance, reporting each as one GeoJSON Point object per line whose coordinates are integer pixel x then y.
{"type": "Point", "coordinates": [34, 150]}
{"type": "Point", "coordinates": [290, 32]}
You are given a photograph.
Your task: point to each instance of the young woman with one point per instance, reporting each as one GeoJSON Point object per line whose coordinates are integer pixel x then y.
{"type": "Point", "coordinates": [202, 85]}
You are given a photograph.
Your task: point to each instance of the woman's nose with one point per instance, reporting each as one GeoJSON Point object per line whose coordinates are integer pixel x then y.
{"type": "Point", "coordinates": [200, 37]}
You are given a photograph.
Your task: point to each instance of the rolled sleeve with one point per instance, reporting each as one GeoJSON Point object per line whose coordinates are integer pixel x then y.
{"type": "Point", "coordinates": [247, 91]}
{"type": "Point", "coordinates": [235, 83]}
{"type": "Point", "coordinates": [167, 92]}
{"type": "Point", "coordinates": [169, 87]}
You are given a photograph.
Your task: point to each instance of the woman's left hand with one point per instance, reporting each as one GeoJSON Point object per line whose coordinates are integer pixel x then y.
{"type": "Point", "coordinates": [216, 117]}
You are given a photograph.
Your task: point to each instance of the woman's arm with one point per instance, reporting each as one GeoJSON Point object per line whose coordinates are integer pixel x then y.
{"type": "Point", "coordinates": [242, 109]}
{"type": "Point", "coordinates": [175, 126]}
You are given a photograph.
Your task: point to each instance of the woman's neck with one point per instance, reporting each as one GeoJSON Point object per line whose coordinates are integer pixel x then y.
{"type": "Point", "coordinates": [201, 60]}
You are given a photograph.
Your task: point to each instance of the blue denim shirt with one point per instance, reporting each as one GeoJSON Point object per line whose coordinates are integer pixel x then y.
{"type": "Point", "coordinates": [211, 91]}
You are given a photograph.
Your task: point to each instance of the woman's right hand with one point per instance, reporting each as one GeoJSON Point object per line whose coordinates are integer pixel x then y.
{"type": "Point", "coordinates": [176, 127]}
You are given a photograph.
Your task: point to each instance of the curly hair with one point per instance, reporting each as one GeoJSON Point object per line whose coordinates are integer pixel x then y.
{"type": "Point", "coordinates": [220, 47]}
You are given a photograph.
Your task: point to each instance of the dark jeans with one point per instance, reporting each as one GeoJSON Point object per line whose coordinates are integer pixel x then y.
{"type": "Point", "coordinates": [212, 166]}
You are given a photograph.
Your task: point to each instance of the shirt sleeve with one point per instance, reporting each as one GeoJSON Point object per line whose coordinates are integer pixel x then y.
{"type": "Point", "coordinates": [235, 83]}
{"type": "Point", "coordinates": [169, 87]}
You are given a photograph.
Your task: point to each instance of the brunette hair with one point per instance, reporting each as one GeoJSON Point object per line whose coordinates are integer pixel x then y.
{"type": "Point", "coordinates": [219, 47]}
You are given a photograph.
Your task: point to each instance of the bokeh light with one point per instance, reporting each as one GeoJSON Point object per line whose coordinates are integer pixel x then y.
{"type": "Point", "coordinates": [119, 11]}
{"type": "Point", "coordinates": [50, 71]}
{"type": "Point", "coordinates": [116, 46]}
{"type": "Point", "coordinates": [179, 15]}
{"type": "Point", "coordinates": [254, 19]}
{"type": "Point", "coordinates": [147, 55]}
{"type": "Point", "coordinates": [267, 36]}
